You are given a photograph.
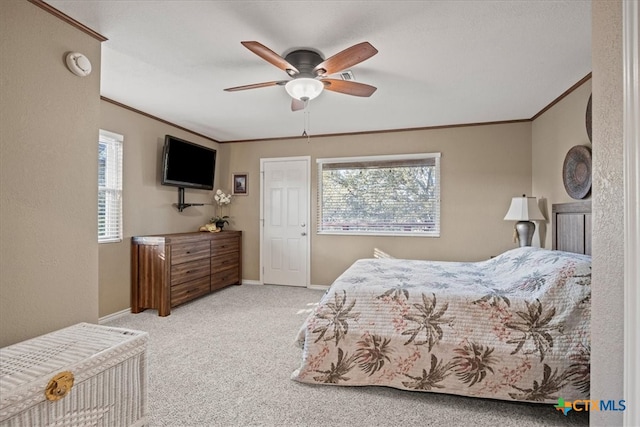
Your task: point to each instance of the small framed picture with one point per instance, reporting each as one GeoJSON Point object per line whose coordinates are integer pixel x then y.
{"type": "Point", "coordinates": [240, 183]}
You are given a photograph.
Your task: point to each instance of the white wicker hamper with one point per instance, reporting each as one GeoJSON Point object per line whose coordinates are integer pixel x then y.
{"type": "Point", "coordinates": [109, 366]}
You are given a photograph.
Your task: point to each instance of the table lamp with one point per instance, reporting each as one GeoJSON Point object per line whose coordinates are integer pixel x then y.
{"type": "Point", "coordinates": [524, 209]}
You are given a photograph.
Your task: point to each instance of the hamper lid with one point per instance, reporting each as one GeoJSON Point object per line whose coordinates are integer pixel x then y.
{"type": "Point", "coordinates": [26, 367]}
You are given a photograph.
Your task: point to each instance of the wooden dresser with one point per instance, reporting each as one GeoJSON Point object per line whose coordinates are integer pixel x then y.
{"type": "Point", "coordinates": [170, 269]}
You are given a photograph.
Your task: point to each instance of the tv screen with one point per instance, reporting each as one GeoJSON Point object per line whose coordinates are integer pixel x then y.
{"type": "Point", "coordinates": [185, 164]}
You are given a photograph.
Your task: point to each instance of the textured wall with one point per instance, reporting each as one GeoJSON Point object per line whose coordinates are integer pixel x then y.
{"type": "Point", "coordinates": [147, 206]}
{"type": "Point", "coordinates": [48, 175]}
{"type": "Point", "coordinates": [552, 135]}
{"type": "Point", "coordinates": [479, 179]}
{"type": "Point", "coordinates": [482, 167]}
{"type": "Point", "coordinates": [607, 320]}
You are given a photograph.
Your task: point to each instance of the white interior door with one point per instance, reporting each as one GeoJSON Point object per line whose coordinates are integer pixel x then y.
{"type": "Point", "coordinates": [285, 221]}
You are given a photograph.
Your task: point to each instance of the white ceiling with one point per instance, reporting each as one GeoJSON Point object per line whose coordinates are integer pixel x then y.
{"type": "Point", "coordinates": [439, 62]}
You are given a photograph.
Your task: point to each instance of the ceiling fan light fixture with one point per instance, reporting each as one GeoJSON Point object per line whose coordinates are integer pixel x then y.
{"type": "Point", "coordinates": [304, 88]}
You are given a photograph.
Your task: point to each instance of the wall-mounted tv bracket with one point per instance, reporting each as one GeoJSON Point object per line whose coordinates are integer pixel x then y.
{"type": "Point", "coordinates": [181, 204]}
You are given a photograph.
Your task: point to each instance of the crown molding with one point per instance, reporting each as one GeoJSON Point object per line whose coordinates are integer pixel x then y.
{"type": "Point", "coordinates": [142, 113]}
{"type": "Point", "coordinates": [69, 20]}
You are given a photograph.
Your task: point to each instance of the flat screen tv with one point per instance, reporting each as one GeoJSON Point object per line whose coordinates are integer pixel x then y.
{"type": "Point", "coordinates": [185, 164]}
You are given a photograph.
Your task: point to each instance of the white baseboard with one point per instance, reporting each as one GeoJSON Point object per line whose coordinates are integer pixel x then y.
{"type": "Point", "coordinates": [113, 316]}
{"type": "Point", "coordinates": [318, 287]}
{"type": "Point", "coordinates": [259, 283]}
{"type": "Point", "coordinates": [118, 314]}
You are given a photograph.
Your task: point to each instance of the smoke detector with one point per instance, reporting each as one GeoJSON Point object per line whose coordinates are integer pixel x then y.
{"type": "Point", "coordinates": [78, 64]}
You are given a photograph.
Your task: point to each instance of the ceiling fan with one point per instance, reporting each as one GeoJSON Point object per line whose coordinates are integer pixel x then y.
{"type": "Point", "coordinates": [310, 71]}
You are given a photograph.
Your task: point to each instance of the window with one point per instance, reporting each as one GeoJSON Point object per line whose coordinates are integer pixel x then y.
{"type": "Point", "coordinates": [380, 195]}
{"type": "Point", "coordinates": [109, 187]}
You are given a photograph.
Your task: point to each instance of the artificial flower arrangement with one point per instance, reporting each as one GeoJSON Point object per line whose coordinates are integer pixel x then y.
{"type": "Point", "coordinates": [222, 199]}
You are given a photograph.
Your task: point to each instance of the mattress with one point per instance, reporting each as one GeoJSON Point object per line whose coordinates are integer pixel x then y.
{"type": "Point", "coordinates": [515, 327]}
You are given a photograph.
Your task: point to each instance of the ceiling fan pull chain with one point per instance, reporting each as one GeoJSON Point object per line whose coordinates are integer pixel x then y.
{"type": "Point", "coordinates": [306, 121]}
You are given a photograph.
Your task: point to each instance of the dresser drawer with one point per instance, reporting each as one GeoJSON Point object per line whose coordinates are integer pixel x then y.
{"type": "Point", "coordinates": [225, 245]}
{"type": "Point", "coordinates": [224, 278]}
{"type": "Point", "coordinates": [224, 262]}
{"type": "Point", "coordinates": [189, 270]}
{"type": "Point", "coordinates": [189, 290]}
{"type": "Point", "coordinates": [189, 252]}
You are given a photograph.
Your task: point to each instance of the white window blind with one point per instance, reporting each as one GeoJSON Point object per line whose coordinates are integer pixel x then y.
{"type": "Point", "coordinates": [109, 187]}
{"type": "Point", "coordinates": [380, 195]}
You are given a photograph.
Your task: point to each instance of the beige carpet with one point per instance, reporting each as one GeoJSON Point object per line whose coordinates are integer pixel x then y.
{"type": "Point", "coordinates": [226, 360]}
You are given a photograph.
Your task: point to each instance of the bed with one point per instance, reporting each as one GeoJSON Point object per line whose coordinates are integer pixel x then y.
{"type": "Point", "coordinates": [513, 327]}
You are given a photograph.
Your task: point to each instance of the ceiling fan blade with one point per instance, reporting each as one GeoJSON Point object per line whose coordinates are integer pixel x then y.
{"type": "Point", "coordinates": [256, 85]}
{"type": "Point", "coordinates": [296, 104]}
{"type": "Point", "coordinates": [345, 59]}
{"type": "Point", "coordinates": [349, 88]}
{"type": "Point", "coordinates": [270, 56]}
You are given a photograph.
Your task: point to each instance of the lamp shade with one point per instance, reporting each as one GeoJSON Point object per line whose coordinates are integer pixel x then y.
{"type": "Point", "coordinates": [524, 209]}
{"type": "Point", "coordinates": [304, 88]}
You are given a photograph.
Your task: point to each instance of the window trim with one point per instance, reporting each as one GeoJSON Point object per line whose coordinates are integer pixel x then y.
{"type": "Point", "coordinates": [116, 140]}
{"type": "Point", "coordinates": [377, 158]}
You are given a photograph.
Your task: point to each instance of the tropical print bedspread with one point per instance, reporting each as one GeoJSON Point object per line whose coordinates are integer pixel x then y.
{"type": "Point", "coordinates": [515, 327]}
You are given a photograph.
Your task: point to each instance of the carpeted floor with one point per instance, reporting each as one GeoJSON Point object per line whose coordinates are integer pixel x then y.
{"type": "Point", "coordinates": [226, 360]}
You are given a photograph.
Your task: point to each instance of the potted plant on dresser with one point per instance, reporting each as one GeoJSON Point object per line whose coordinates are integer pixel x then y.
{"type": "Point", "coordinates": [221, 200]}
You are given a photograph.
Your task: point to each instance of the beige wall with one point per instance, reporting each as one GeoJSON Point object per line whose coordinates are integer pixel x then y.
{"type": "Point", "coordinates": [48, 175]}
{"type": "Point", "coordinates": [479, 176]}
{"type": "Point", "coordinates": [553, 134]}
{"type": "Point", "coordinates": [48, 178]}
{"type": "Point", "coordinates": [482, 167]}
{"type": "Point", "coordinates": [607, 315]}
{"type": "Point", "coordinates": [478, 183]}
{"type": "Point", "coordinates": [147, 205]}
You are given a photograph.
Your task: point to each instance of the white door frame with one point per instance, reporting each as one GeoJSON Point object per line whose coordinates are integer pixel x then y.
{"type": "Point", "coordinates": [308, 219]}
{"type": "Point", "coordinates": [631, 136]}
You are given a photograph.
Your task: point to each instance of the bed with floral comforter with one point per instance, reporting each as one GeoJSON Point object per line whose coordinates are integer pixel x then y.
{"type": "Point", "coordinates": [515, 327]}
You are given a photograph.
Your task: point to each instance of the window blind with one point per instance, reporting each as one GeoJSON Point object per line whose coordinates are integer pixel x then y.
{"type": "Point", "coordinates": [109, 187]}
{"type": "Point", "coordinates": [381, 195]}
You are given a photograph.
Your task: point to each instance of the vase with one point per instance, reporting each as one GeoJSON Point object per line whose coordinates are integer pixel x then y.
{"type": "Point", "coordinates": [220, 224]}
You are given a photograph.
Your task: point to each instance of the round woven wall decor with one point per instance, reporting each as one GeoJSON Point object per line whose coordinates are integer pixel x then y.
{"type": "Point", "coordinates": [576, 172]}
